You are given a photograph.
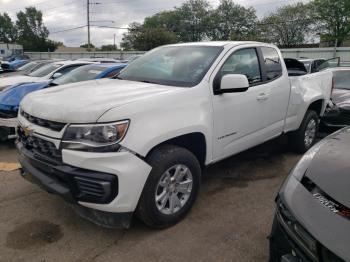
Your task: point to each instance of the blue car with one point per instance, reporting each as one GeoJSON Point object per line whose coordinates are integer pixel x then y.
{"type": "Point", "coordinates": [11, 97]}
{"type": "Point", "coordinates": [14, 62]}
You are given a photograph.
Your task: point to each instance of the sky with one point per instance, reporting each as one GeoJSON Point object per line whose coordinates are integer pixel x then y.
{"type": "Point", "coordinates": [59, 15]}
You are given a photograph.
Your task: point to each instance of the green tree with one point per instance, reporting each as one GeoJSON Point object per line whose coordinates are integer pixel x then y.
{"type": "Point", "coordinates": [8, 32]}
{"type": "Point", "coordinates": [193, 20]}
{"type": "Point", "coordinates": [144, 38]}
{"type": "Point", "coordinates": [108, 48]}
{"type": "Point", "coordinates": [333, 19]}
{"type": "Point", "coordinates": [230, 21]}
{"type": "Point", "coordinates": [288, 26]}
{"type": "Point", "coordinates": [87, 46]}
{"type": "Point", "coordinates": [32, 33]}
{"type": "Point", "coordinates": [189, 22]}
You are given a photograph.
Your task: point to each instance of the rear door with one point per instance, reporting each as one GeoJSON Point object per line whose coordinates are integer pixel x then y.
{"type": "Point", "coordinates": [278, 90]}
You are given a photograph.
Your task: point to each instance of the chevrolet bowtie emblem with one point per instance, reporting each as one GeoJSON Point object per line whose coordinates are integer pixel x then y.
{"type": "Point", "coordinates": [27, 131]}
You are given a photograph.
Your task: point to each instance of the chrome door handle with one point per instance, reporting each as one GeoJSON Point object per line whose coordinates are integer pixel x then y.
{"type": "Point", "coordinates": [262, 97]}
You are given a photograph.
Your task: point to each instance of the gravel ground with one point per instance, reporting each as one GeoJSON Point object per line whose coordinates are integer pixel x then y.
{"type": "Point", "coordinates": [229, 222]}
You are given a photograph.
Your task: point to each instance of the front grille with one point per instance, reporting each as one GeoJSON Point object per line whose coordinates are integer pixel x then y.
{"type": "Point", "coordinates": [55, 126]}
{"type": "Point", "coordinates": [8, 114]}
{"type": "Point", "coordinates": [38, 145]}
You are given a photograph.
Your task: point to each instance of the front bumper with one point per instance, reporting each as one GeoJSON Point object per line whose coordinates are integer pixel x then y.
{"type": "Point", "coordinates": [71, 183]}
{"type": "Point", "coordinates": [306, 229]}
{"type": "Point", "coordinates": [121, 175]}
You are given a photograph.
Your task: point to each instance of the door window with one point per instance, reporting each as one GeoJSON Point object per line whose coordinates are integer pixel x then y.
{"type": "Point", "coordinates": [272, 63]}
{"type": "Point", "coordinates": [245, 62]}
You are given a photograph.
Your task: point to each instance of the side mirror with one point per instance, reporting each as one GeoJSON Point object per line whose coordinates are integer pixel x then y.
{"type": "Point", "coordinates": [56, 75]}
{"type": "Point", "coordinates": [233, 83]}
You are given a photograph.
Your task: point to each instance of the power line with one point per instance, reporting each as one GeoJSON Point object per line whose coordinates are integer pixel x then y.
{"type": "Point", "coordinates": [112, 27]}
{"type": "Point", "coordinates": [50, 8]}
{"type": "Point", "coordinates": [69, 29]}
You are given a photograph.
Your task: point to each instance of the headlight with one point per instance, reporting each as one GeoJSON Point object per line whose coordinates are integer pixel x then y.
{"type": "Point", "coordinates": [95, 137]}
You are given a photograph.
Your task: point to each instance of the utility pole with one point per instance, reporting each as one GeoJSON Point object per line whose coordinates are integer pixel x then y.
{"type": "Point", "coordinates": [88, 22]}
{"type": "Point", "coordinates": [114, 42]}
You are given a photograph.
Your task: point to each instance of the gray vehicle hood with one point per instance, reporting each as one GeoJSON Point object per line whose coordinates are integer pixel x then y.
{"type": "Point", "coordinates": [329, 171]}
{"type": "Point", "coordinates": [86, 102]}
{"type": "Point", "coordinates": [330, 168]}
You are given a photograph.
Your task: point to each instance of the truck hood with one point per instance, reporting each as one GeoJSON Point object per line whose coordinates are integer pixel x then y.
{"type": "Point", "coordinates": [329, 169]}
{"type": "Point", "coordinates": [86, 102]}
{"type": "Point", "coordinates": [341, 97]}
{"type": "Point", "coordinates": [12, 80]}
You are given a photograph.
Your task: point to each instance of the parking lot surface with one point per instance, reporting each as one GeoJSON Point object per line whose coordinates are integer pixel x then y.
{"type": "Point", "coordinates": [229, 222]}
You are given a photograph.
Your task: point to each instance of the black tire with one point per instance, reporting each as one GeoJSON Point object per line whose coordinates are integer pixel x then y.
{"type": "Point", "coordinates": [161, 159]}
{"type": "Point", "coordinates": [297, 138]}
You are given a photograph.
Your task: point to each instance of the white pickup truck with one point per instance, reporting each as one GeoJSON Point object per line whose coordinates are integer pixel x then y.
{"type": "Point", "coordinates": [138, 143]}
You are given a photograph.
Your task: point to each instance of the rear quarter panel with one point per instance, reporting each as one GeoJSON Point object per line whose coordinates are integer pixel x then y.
{"type": "Point", "coordinates": [304, 91]}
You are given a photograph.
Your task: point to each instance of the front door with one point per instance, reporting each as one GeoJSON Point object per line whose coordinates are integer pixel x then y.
{"type": "Point", "coordinates": [239, 118]}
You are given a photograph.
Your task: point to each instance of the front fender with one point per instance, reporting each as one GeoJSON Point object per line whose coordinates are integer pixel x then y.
{"type": "Point", "coordinates": [158, 119]}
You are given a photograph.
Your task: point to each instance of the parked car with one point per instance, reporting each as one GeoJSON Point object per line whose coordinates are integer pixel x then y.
{"type": "Point", "coordinates": [312, 65]}
{"type": "Point", "coordinates": [12, 96]}
{"type": "Point", "coordinates": [27, 68]}
{"type": "Point", "coordinates": [100, 60]}
{"type": "Point", "coordinates": [138, 144]}
{"type": "Point", "coordinates": [13, 64]}
{"type": "Point", "coordinates": [337, 114]}
{"type": "Point", "coordinates": [312, 220]}
{"type": "Point", "coordinates": [44, 73]}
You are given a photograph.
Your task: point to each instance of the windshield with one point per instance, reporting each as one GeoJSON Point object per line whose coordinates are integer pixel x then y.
{"type": "Point", "coordinates": [82, 73]}
{"type": "Point", "coordinates": [342, 79]}
{"type": "Point", "coordinates": [172, 65]}
{"type": "Point", "coordinates": [45, 70]}
{"type": "Point", "coordinates": [28, 67]}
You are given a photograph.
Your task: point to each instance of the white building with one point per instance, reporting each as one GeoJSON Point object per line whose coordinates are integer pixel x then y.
{"type": "Point", "coordinates": [9, 49]}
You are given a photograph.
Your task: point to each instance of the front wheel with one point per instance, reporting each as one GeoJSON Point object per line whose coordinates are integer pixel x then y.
{"type": "Point", "coordinates": [171, 188]}
{"type": "Point", "coordinates": [304, 138]}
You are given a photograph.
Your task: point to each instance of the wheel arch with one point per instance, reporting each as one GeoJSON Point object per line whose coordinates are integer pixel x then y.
{"type": "Point", "coordinates": [194, 142]}
{"type": "Point", "coordinates": [317, 106]}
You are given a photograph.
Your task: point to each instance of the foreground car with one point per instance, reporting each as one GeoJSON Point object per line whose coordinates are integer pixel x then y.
{"type": "Point", "coordinates": [138, 143]}
{"type": "Point", "coordinates": [12, 96]}
{"type": "Point", "coordinates": [312, 221]}
{"type": "Point", "coordinates": [338, 113]}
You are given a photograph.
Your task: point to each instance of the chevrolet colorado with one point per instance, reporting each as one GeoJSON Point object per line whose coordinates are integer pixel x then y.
{"type": "Point", "coordinates": [138, 143]}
